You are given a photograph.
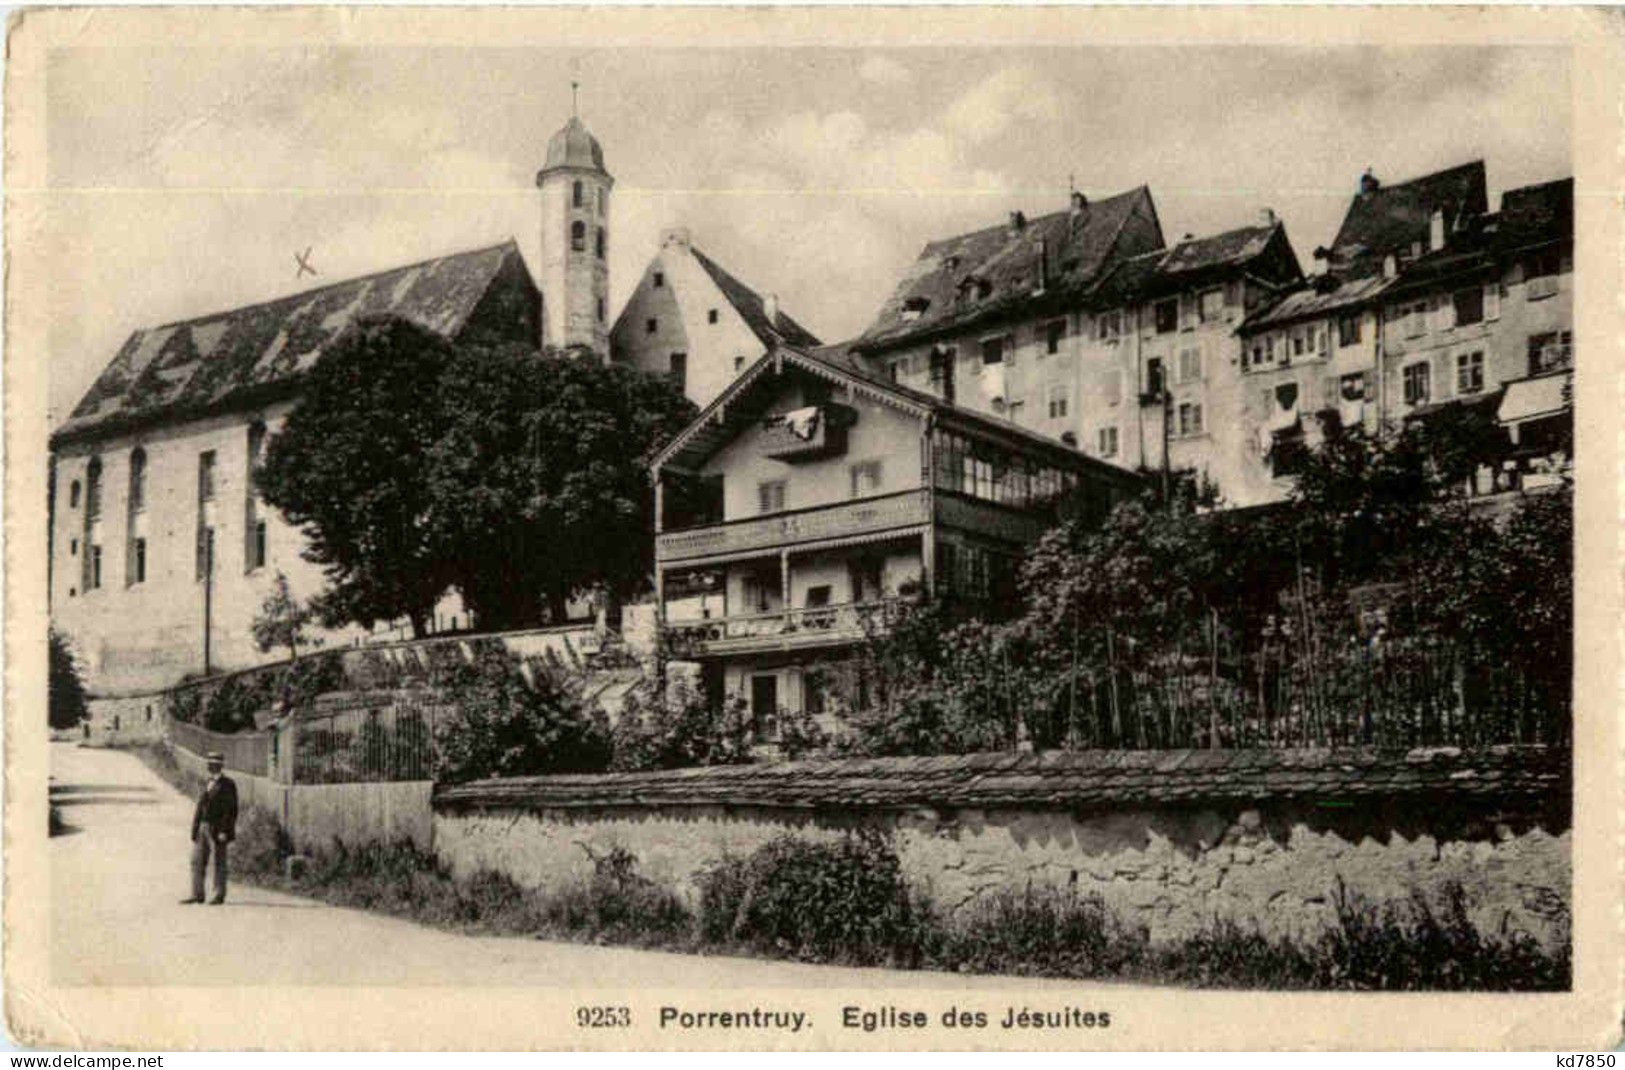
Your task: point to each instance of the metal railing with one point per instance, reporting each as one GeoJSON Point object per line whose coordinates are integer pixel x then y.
{"type": "Point", "coordinates": [848, 619]}
{"type": "Point", "coordinates": [393, 741]}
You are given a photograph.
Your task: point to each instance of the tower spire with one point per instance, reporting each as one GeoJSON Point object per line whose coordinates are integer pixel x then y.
{"type": "Point", "coordinates": [575, 100]}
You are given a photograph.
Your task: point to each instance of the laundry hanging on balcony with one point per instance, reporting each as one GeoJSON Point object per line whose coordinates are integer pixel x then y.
{"type": "Point", "coordinates": [803, 422]}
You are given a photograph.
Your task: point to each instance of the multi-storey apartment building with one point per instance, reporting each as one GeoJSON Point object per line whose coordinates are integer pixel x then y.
{"type": "Point", "coordinates": [1428, 301]}
{"type": "Point", "coordinates": [1084, 327]}
{"type": "Point", "coordinates": [812, 494]}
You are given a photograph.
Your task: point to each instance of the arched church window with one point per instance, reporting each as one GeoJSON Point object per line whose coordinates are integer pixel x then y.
{"type": "Point", "coordinates": [575, 195]}
{"type": "Point", "coordinates": [138, 480]}
{"type": "Point", "coordinates": [578, 236]}
{"type": "Point", "coordinates": [600, 243]}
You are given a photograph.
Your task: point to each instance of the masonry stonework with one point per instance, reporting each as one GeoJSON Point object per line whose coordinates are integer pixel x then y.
{"type": "Point", "coordinates": [1278, 862]}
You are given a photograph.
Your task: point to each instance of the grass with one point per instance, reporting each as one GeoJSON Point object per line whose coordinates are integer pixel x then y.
{"type": "Point", "coordinates": [847, 902]}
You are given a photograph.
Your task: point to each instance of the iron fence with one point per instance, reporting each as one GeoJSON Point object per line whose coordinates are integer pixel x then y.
{"type": "Point", "coordinates": [393, 741]}
{"type": "Point", "coordinates": [1403, 694]}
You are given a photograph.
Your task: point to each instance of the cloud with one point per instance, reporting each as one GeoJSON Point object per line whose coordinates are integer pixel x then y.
{"type": "Point", "coordinates": [883, 70]}
{"type": "Point", "coordinates": [990, 107]}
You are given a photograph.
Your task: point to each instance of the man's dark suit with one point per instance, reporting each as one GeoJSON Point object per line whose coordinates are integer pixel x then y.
{"type": "Point", "coordinates": [214, 826]}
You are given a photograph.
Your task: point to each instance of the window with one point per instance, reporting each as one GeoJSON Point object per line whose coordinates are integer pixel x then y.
{"type": "Point", "coordinates": [1210, 306]}
{"type": "Point", "coordinates": [1492, 301]}
{"type": "Point", "coordinates": [711, 316]}
{"type": "Point", "coordinates": [1190, 365]}
{"type": "Point", "coordinates": [739, 365]}
{"type": "Point", "coordinates": [865, 478]}
{"type": "Point", "coordinates": [1348, 330]}
{"type": "Point", "coordinates": [1415, 318]}
{"type": "Point", "coordinates": [1053, 333]}
{"type": "Point", "coordinates": [914, 308]}
{"type": "Point", "coordinates": [205, 476]}
{"type": "Point", "coordinates": [138, 480]}
{"type": "Point", "coordinates": [94, 581]}
{"type": "Point", "coordinates": [1108, 442]}
{"type": "Point", "coordinates": [1190, 418]}
{"type": "Point", "coordinates": [602, 240]}
{"type": "Point", "coordinates": [1257, 354]}
{"type": "Point", "coordinates": [1550, 352]}
{"type": "Point", "coordinates": [1470, 373]}
{"type": "Point", "coordinates": [1109, 325]}
{"type": "Point", "coordinates": [942, 371]}
{"type": "Point", "coordinates": [575, 195]}
{"type": "Point", "coordinates": [93, 489]}
{"type": "Point", "coordinates": [603, 202]}
{"type": "Point", "coordinates": [1469, 305]}
{"type": "Point", "coordinates": [256, 549]}
{"type": "Point", "coordinates": [770, 497]}
{"type": "Point", "coordinates": [1167, 315]}
{"type": "Point", "coordinates": [651, 325]}
{"type": "Point", "coordinates": [819, 595]}
{"type": "Point", "coordinates": [660, 279]}
{"type": "Point", "coordinates": [1297, 343]}
{"type": "Point", "coordinates": [679, 370]}
{"type": "Point", "coordinates": [138, 562]}
{"type": "Point", "coordinates": [993, 351]}
{"type": "Point", "coordinates": [73, 495]}
{"type": "Point", "coordinates": [600, 310]}
{"type": "Point", "coordinates": [1058, 398]}
{"type": "Point", "coordinates": [1154, 384]}
{"type": "Point", "coordinates": [764, 695]}
{"type": "Point", "coordinates": [578, 236]}
{"type": "Point", "coordinates": [1416, 384]}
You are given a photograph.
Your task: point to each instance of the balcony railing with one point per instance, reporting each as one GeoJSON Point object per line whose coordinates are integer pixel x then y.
{"type": "Point", "coordinates": [786, 629]}
{"type": "Point", "coordinates": [861, 517]}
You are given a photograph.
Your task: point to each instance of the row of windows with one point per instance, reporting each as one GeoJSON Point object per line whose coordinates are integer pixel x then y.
{"type": "Point", "coordinates": [864, 480]}
{"type": "Point", "coordinates": [136, 560]}
{"type": "Point", "coordinates": [981, 470]}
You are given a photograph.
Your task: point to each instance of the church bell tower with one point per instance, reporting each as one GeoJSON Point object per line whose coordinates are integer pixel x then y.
{"type": "Point", "coordinates": [575, 241]}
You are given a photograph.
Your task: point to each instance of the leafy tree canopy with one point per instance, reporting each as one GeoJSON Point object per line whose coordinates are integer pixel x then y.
{"type": "Point", "coordinates": [67, 691]}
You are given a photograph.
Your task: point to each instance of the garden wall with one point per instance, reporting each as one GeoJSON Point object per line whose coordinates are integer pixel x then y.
{"type": "Point", "coordinates": [1172, 840]}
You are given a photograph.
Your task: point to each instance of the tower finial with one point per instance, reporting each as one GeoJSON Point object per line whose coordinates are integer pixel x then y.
{"type": "Point", "coordinates": [575, 100]}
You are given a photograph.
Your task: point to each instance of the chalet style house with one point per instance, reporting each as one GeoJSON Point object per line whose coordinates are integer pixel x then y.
{"type": "Point", "coordinates": [812, 495]}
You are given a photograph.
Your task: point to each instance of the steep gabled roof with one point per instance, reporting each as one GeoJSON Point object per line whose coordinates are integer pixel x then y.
{"type": "Point", "coordinates": [1232, 248]}
{"type": "Point", "coordinates": [990, 272]}
{"type": "Point", "coordinates": [1394, 216]}
{"type": "Point", "coordinates": [1536, 215]}
{"type": "Point", "coordinates": [193, 366]}
{"type": "Point", "coordinates": [1309, 302]}
{"type": "Point", "coordinates": [1193, 260]}
{"type": "Point", "coordinates": [750, 306]}
{"type": "Point", "coordinates": [744, 401]}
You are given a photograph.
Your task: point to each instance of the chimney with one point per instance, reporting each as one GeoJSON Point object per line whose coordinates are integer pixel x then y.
{"type": "Point", "coordinates": [1079, 202]}
{"type": "Point", "coordinates": [1369, 183]}
{"type": "Point", "coordinates": [1436, 231]}
{"type": "Point", "coordinates": [1018, 222]}
{"type": "Point", "coordinates": [770, 308]}
{"type": "Point", "coordinates": [1266, 217]}
{"type": "Point", "coordinates": [675, 236]}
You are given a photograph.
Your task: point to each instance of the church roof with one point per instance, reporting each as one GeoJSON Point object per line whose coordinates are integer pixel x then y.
{"type": "Point", "coordinates": [180, 370]}
{"type": "Point", "coordinates": [573, 146]}
{"type": "Point", "coordinates": [753, 310]}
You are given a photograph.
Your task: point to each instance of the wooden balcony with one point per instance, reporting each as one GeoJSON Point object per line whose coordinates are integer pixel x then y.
{"type": "Point", "coordinates": [808, 627]}
{"type": "Point", "coordinates": [740, 538]}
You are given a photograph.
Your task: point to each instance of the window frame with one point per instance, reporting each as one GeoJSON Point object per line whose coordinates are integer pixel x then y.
{"type": "Point", "coordinates": [1470, 364]}
{"type": "Point", "coordinates": [771, 494]}
{"type": "Point", "coordinates": [578, 236]}
{"type": "Point", "coordinates": [874, 469]}
{"type": "Point", "coordinates": [1170, 306]}
{"type": "Point", "coordinates": [1416, 382]}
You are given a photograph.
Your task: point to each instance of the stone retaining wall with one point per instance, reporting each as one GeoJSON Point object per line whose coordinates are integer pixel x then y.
{"type": "Point", "coordinates": [1171, 840]}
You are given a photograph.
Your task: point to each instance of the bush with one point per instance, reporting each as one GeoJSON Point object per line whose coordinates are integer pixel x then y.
{"type": "Point", "coordinates": [823, 902]}
{"type": "Point", "coordinates": [502, 726]}
{"type": "Point", "coordinates": [655, 731]}
{"type": "Point", "coordinates": [1044, 932]}
{"type": "Point", "coordinates": [617, 905]}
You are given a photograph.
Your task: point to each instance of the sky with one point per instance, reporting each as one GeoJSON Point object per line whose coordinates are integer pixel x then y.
{"type": "Point", "coordinates": [183, 180]}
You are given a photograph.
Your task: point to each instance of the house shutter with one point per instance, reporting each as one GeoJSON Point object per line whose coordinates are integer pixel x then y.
{"type": "Point", "coordinates": [1492, 301]}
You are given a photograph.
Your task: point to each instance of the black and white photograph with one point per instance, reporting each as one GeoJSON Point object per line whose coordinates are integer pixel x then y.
{"type": "Point", "coordinates": [779, 540]}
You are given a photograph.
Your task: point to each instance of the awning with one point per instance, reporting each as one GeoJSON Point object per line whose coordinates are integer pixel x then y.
{"type": "Point", "coordinates": [1529, 398]}
{"type": "Point", "coordinates": [1471, 401]}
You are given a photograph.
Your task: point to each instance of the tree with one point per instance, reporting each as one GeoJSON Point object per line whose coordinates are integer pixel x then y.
{"type": "Point", "coordinates": [67, 700]}
{"type": "Point", "coordinates": [504, 726]}
{"type": "Point", "coordinates": [283, 622]}
{"type": "Point", "coordinates": [348, 468]}
{"type": "Point", "coordinates": [539, 478]}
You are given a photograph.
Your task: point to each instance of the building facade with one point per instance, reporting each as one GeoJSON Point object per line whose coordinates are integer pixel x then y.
{"type": "Point", "coordinates": [691, 319]}
{"type": "Point", "coordinates": [812, 498]}
{"type": "Point", "coordinates": [162, 549]}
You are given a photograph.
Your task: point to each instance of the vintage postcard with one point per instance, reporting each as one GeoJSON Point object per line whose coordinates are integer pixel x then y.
{"type": "Point", "coordinates": [802, 528]}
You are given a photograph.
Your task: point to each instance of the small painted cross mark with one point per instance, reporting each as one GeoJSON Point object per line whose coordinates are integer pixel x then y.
{"type": "Point", "coordinates": [304, 264]}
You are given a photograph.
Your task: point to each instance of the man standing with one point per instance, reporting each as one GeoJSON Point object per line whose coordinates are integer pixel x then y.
{"type": "Point", "coordinates": [214, 826]}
